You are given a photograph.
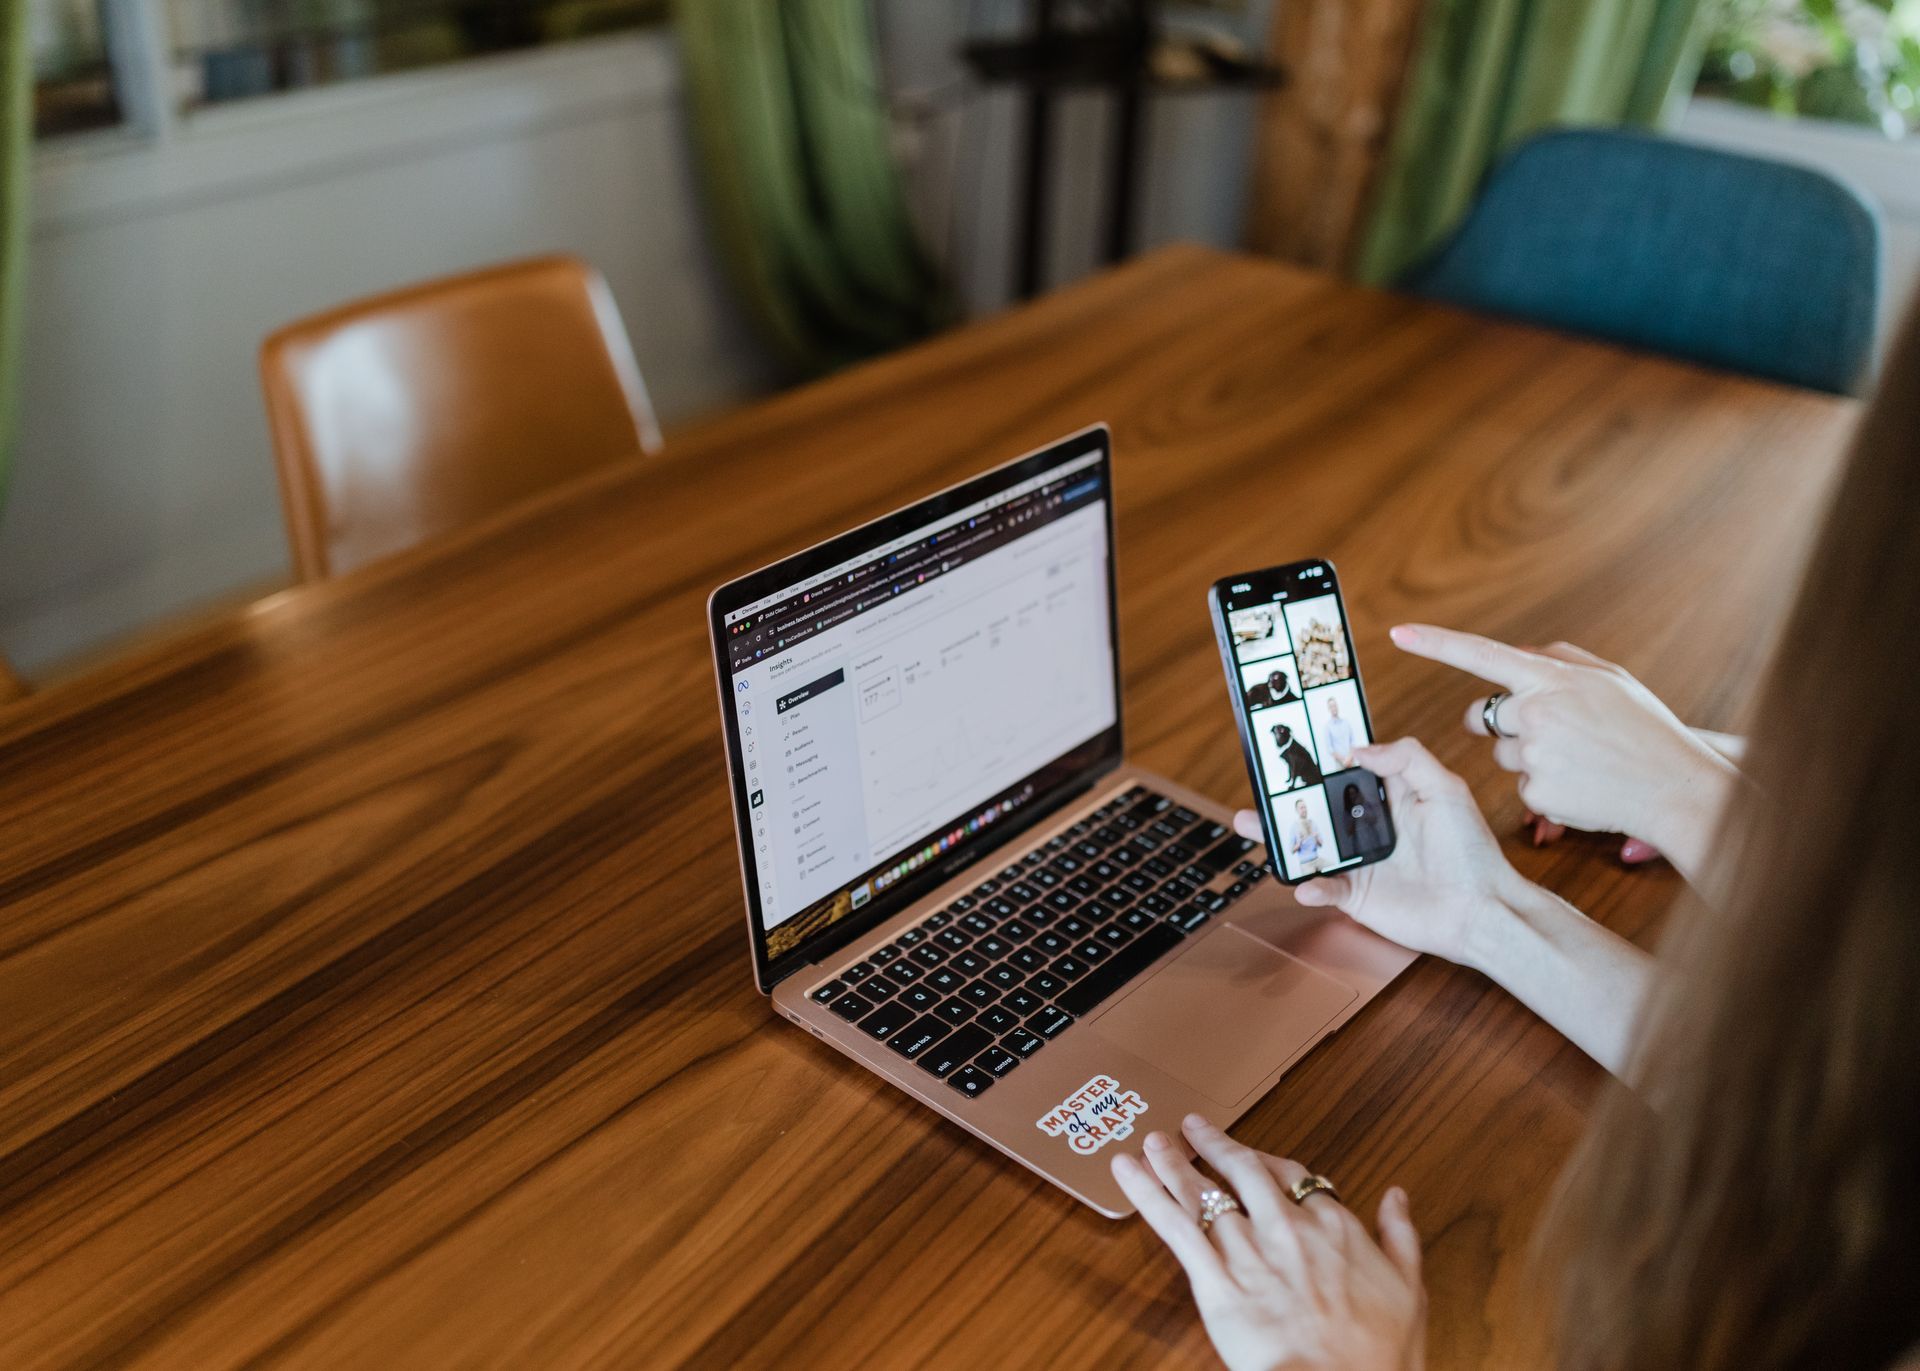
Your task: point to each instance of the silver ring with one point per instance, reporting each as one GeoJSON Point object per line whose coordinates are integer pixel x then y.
{"type": "Point", "coordinates": [1214, 1203]}
{"type": "Point", "coordinates": [1490, 714]}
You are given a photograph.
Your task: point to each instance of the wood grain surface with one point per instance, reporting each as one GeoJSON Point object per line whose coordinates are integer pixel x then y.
{"type": "Point", "coordinates": [373, 984]}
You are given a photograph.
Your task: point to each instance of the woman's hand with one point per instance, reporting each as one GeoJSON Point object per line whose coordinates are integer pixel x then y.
{"type": "Point", "coordinates": [1283, 1284]}
{"type": "Point", "coordinates": [1593, 748]}
{"type": "Point", "coordinates": [1447, 878]}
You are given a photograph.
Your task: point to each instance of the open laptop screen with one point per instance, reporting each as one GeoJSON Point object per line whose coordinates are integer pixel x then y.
{"type": "Point", "coordinates": [901, 698]}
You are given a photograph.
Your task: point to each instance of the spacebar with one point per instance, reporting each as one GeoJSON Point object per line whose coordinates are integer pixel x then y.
{"type": "Point", "coordinates": [1085, 995]}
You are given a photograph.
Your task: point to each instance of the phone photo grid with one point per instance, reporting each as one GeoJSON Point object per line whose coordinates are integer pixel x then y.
{"type": "Point", "coordinates": [1303, 706]}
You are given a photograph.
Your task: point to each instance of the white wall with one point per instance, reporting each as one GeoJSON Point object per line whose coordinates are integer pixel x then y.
{"type": "Point", "coordinates": [144, 485]}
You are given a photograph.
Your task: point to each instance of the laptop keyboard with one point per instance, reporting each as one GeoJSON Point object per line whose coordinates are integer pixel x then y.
{"type": "Point", "coordinates": [974, 990]}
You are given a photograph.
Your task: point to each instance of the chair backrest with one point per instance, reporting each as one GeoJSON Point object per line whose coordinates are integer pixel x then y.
{"type": "Point", "coordinates": [11, 686]}
{"type": "Point", "coordinates": [407, 415]}
{"type": "Point", "coordinates": [1735, 261]}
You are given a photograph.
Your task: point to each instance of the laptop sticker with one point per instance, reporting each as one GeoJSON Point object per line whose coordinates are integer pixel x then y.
{"type": "Point", "coordinates": [1096, 1114]}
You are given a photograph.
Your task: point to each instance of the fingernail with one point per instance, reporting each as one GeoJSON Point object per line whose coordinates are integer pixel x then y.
{"type": "Point", "coordinates": [1402, 634]}
{"type": "Point", "coordinates": [1124, 1162]}
{"type": "Point", "coordinates": [1159, 1140]}
{"type": "Point", "coordinates": [1307, 894]}
{"type": "Point", "coordinates": [1634, 851]}
{"type": "Point", "coordinates": [1198, 1121]}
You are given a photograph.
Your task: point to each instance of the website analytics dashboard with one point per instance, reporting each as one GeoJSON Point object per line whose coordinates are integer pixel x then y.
{"type": "Point", "coordinates": [895, 706]}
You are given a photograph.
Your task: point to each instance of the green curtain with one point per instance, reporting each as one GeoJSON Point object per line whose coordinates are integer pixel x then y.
{"type": "Point", "coordinates": [16, 151]}
{"type": "Point", "coordinates": [804, 198]}
{"type": "Point", "coordinates": [1488, 72]}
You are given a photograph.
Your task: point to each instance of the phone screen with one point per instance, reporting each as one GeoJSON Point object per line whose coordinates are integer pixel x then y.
{"type": "Point", "coordinates": [1296, 686]}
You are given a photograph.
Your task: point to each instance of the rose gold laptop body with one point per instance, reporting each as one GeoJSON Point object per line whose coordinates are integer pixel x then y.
{"type": "Point", "coordinates": [1208, 1029]}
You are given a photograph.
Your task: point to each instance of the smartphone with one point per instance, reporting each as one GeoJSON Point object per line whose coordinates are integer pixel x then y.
{"type": "Point", "coordinates": [1295, 683]}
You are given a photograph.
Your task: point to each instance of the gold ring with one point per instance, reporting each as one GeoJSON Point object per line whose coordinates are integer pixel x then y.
{"type": "Point", "coordinates": [1214, 1203]}
{"type": "Point", "coordinates": [1309, 1186]}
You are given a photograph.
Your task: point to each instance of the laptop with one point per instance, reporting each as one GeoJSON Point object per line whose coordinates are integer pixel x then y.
{"type": "Point", "coordinates": [954, 876]}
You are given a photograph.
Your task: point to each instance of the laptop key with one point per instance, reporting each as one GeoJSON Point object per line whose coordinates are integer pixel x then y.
{"type": "Point", "coordinates": [880, 956]}
{"type": "Point", "coordinates": [1002, 908]}
{"type": "Point", "coordinates": [1092, 950]}
{"type": "Point", "coordinates": [904, 971]}
{"type": "Point", "coordinates": [928, 955]}
{"type": "Point", "coordinates": [1139, 882]}
{"type": "Point", "coordinates": [997, 1019]}
{"type": "Point", "coordinates": [962, 905]}
{"type": "Point", "coordinates": [887, 1020]}
{"type": "Point", "coordinates": [1039, 915]}
{"type": "Point", "coordinates": [993, 948]}
{"type": "Point", "coordinates": [919, 997]}
{"type": "Point", "coordinates": [971, 1081]}
{"type": "Point", "coordinates": [857, 973]}
{"type": "Point", "coordinates": [1115, 935]}
{"type": "Point", "coordinates": [950, 1054]}
{"type": "Point", "coordinates": [879, 985]}
{"type": "Point", "coordinates": [970, 963]}
{"type": "Point", "coordinates": [937, 922]}
{"type": "Point", "coordinates": [979, 993]}
{"type": "Point", "coordinates": [1016, 930]}
{"type": "Point", "coordinates": [1137, 919]}
{"type": "Point", "coordinates": [1049, 1022]}
{"type": "Point", "coordinates": [1064, 901]}
{"type": "Point", "coordinates": [1190, 918]}
{"type": "Point", "coordinates": [1157, 903]}
{"type": "Point", "coordinates": [829, 992]}
{"type": "Point", "coordinates": [851, 1007]}
{"type": "Point", "coordinates": [1075, 927]}
{"type": "Point", "coordinates": [1125, 855]}
{"type": "Point", "coordinates": [1067, 969]}
{"type": "Point", "coordinates": [953, 939]}
{"type": "Point", "coordinates": [913, 937]}
{"type": "Point", "coordinates": [977, 923]}
{"type": "Point", "coordinates": [1022, 1043]}
{"type": "Point", "coordinates": [955, 1011]}
{"type": "Point", "coordinates": [997, 1061]}
{"type": "Point", "coordinates": [1089, 993]}
{"type": "Point", "coordinates": [1028, 960]}
{"type": "Point", "coordinates": [1117, 898]}
{"type": "Point", "coordinates": [918, 1036]}
{"type": "Point", "coordinates": [1046, 985]}
{"type": "Point", "coordinates": [1004, 976]}
{"type": "Point", "coordinates": [1022, 893]}
{"type": "Point", "coordinates": [1023, 1001]}
{"type": "Point", "coordinates": [946, 980]}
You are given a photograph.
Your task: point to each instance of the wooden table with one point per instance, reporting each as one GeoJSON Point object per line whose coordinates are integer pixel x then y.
{"type": "Point", "coordinates": [373, 990]}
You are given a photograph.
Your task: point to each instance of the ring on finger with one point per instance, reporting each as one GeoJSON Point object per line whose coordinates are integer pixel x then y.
{"type": "Point", "coordinates": [1213, 1204]}
{"type": "Point", "coordinates": [1490, 714]}
{"type": "Point", "coordinates": [1307, 1187]}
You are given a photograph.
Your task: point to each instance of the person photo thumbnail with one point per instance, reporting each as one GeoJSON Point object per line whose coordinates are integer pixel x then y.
{"type": "Point", "coordinates": [1268, 683]}
{"type": "Point", "coordinates": [1257, 633]}
{"type": "Point", "coordinates": [1339, 724]}
{"type": "Point", "coordinates": [1305, 830]}
{"type": "Point", "coordinates": [1360, 827]}
{"type": "Point", "coordinates": [1285, 745]}
{"type": "Point", "coordinates": [1319, 638]}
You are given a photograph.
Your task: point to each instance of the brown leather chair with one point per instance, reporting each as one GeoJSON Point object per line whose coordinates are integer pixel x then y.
{"type": "Point", "coordinates": [11, 686]}
{"type": "Point", "coordinates": [407, 415]}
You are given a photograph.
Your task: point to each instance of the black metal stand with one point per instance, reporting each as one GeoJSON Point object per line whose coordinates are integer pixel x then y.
{"type": "Point", "coordinates": [1113, 53]}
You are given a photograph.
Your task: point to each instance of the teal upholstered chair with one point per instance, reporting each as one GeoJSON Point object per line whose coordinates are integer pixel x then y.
{"type": "Point", "coordinates": [1735, 261]}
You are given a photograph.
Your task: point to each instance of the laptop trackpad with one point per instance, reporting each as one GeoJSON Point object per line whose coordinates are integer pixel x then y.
{"type": "Point", "coordinates": [1226, 1013]}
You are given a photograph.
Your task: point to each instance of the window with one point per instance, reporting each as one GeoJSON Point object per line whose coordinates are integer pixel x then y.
{"type": "Point", "coordinates": [72, 79]}
{"type": "Point", "coordinates": [226, 50]}
{"type": "Point", "coordinates": [1857, 61]}
{"type": "Point", "coordinates": [170, 57]}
